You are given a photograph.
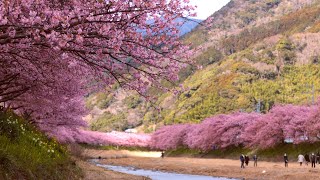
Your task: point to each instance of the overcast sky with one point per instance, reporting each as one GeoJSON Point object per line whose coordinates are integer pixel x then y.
{"type": "Point", "coordinates": [208, 7]}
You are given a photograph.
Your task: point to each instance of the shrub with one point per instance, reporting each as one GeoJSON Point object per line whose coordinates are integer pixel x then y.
{"type": "Point", "coordinates": [132, 101]}
{"type": "Point", "coordinates": [108, 122]}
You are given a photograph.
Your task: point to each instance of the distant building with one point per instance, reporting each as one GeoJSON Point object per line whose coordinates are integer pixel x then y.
{"type": "Point", "coordinates": [131, 131]}
{"type": "Point", "coordinates": [304, 138]}
{"type": "Point", "coordinates": [288, 140]}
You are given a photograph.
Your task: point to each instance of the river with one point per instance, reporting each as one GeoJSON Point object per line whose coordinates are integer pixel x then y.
{"type": "Point", "coordinates": [157, 175]}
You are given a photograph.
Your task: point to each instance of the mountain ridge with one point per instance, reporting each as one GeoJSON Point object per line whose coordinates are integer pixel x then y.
{"type": "Point", "coordinates": [248, 52]}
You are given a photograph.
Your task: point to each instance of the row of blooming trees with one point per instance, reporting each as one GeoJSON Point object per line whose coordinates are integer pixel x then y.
{"type": "Point", "coordinates": [252, 130]}
{"type": "Point", "coordinates": [54, 52]}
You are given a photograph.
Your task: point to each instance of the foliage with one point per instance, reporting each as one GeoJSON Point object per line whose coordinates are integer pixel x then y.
{"type": "Point", "coordinates": [239, 83]}
{"type": "Point", "coordinates": [115, 147]}
{"type": "Point", "coordinates": [288, 24]}
{"type": "Point", "coordinates": [53, 55]}
{"type": "Point", "coordinates": [209, 56]}
{"type": "Point", "coordinates": [285, 51]}
{"type": "Point", "coordinates": [247, 17]}
{"type": "Point", "coordinates": [169, 137]}
{"type": "Point", "coordinates": [271, 3]}
{"type": "Point", "coordinates": [299, 123]}
{"type": "Point", "coordinates": [270, 154]}
{"type": "Point", "coordinates": [102, 100]}
{"type": "Point", "coordinates": [132, 101]}
{"type": "Point", "coordinates": [113, 139]}
{"type": "Point", "coordinates": [26, 153]}
{"type": "Point", "coordinates": [197, 37]}
{"type": "Point", "coordinates": [109, 122]}
{"type": "Point", "coordinates": [236, 86]}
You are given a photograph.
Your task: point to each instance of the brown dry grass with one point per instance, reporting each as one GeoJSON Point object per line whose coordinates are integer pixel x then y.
{"type": "Point", "coordinates": [222, 168]}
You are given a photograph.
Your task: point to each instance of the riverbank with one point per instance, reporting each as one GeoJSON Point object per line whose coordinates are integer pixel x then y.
{"type": "Point", "coordinates": [220, 168]}
{"type": "Point", "coordinates": [91, 171]}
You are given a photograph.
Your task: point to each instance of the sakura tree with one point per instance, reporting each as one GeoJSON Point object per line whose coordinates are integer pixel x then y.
{"type": "Point", "coordinates": [112, 138]}
{"type": "Point", "coordinates": [170, 137]}
{"type": "Point", "coordinates": [204, 135]}
{"type": "Point", "coordinates": [220, 131]}
{"type": "Point", "coordinates": [252, 130]}
{"type": "Point", "coordinates": [312, 125]}
{"type": "Point", "coordinates": [282, 122]}
{"type": "Point", "coordinates": [51, 51]}
{"type": "Point", "coordinates": [50, 99]}
{"type": "Point", "coordinates": [131, 42]}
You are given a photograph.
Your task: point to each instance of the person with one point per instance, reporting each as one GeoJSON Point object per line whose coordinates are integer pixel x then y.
{"type": "Point", "coordinates": [286, 160]}
{"type": "Point", "coordinates": [313, 160]}
{"type": "Point", "coordinates": [318, 157]}
{"type": "Point", "coordinates": [255, 160]}
{"type": "Point", "coordinates": [162, 154]}
{"type": "Point", "coordinates": [300, 159]}
{"type": "Point", "coordinates": [214, 147]}
{"type": "Point", "coordinates": [246, 159]}
{"type": "Point", "coordinates": [242, 160]}
{"type": "Point", "coordinates": [307, 159]}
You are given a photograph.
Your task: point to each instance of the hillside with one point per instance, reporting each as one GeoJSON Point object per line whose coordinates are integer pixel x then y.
{"type": "Point", "coordinates": [254, 54]}
{"type": "Point", "coordinates": [26, 153]}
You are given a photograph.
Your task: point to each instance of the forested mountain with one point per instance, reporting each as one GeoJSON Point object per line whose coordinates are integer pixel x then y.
{"type": "Point", "coordinates": [253, 54]}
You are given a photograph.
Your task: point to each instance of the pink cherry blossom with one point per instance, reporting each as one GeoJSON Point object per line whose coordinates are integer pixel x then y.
{"type": "Point", "coordinates": [53, 53]}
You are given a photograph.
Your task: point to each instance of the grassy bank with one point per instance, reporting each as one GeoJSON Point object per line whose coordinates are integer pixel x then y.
{"type": "Point", "coordinates": [271, 154]}
{"type": "Point", "coordinates": [26, 153]}
{"type": "Point", "coordinates": [109, 148]}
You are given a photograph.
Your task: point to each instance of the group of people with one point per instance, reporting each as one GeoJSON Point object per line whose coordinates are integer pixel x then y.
{"type": "Point", "coordinates": [304, 158]}
{"type": "Point", "coordinates": [313, 158]}
{"type": "Point", "coordinates": [244, 159]}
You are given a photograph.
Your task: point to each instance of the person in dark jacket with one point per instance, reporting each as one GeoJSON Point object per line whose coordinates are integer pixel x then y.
{"type": "Point", "coordinates": [162, 154]}
{"type": "Point", "coordinates": [242, 160]}
{"type": "Point", "coordinates": [286, 160]}
{"type": "Point", "coordinates": [255, 160]}
{"type": "Point", "coordinates": [307, 158]}
{"type": "Point", "coordinates": [246, 159]}
{"type": "Point", "coordinates": [313, 160]}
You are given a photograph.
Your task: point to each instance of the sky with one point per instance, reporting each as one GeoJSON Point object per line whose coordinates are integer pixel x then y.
{"type": "Point", "coordinates": [208, 7]}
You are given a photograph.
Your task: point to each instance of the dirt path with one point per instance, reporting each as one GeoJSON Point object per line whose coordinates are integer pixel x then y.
{"type": "Point", "coordinates": [222, 168]}
{"type": "Point", "coordinates": [210, 167]}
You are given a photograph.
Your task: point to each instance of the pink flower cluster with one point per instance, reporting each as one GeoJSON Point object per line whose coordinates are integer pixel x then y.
{"type": "Point", "coordinates": [54, 52]}
{"type": "Point", "coordinates": [285, 122]}
{"type": "Point", "coordinates": [252, 130]}
{"type": "Point", "coordinates": [112, 138]}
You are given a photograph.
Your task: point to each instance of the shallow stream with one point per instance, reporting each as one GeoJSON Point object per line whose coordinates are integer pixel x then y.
{"type": "Point", "coordinates": [158, 175]}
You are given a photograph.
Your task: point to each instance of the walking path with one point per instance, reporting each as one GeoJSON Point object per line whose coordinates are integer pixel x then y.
{"type": "Point", "coordinates": [209, 167]}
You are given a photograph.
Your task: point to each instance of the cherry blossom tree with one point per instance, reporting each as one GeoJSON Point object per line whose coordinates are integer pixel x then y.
{"type": "Point", "coordinates": [252, 130]}
{"type": "Point", "coordinates": [114, 39]}
{"type": "Point", "coordinates": [282, 122]}
{"type": "Point", "coordinates": [203, 136]}
{"type": "Point", "coordinates": [220, 131]}
{"type": "Point", "coordinates": [170, 137]}
{"type": "Point", "coordinates": [112, 138]}
{"type": "Point", "coordinates": [52, 98]}
{"type": "Point", "coordinates": [312, 125]}
{"type": "Point", "coordinates": [52, 51]}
